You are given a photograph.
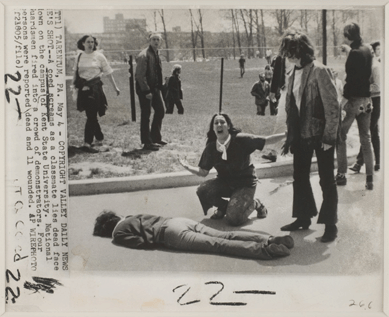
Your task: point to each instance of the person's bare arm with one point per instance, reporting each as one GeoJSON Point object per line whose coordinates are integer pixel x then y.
{"type": "Point", "coordinates": [193, 169]}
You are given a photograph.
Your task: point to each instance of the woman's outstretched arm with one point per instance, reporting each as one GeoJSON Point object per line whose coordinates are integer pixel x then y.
{"type": "Point", "coordinates": [193, 169]}
{"type": "Point", "coordinates": [274, 138]}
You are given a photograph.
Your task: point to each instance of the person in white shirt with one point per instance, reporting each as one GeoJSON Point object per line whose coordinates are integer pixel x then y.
{"type": "Point", "coordinates": [90, 66]}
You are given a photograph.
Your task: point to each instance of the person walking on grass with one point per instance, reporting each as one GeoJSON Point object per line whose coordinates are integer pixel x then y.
{"type": "Point", "coordinates": [260, 91]}
{"type": "Point", "coordinates": [376, 112]}
{"type": "Point", "coordinates": [90, 66]}
{"type": "Point", "coordinates": [174, 91]}
{"type": "Point", "coordinates": [313, 117]}
{"type": "Point", "coordinates": [242, 61]}
{"type": "Point", "coordinates": [228, 151]}
{"type": "Point", "coordinates": [356, 102]}
{"type": "Point", "coordinates": [144, 231]}
{"type": "Point", "coordinates": [148, 77]}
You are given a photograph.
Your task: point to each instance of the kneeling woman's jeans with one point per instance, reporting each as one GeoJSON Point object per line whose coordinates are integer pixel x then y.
{"type": "Point", "coordinates": [189, 235]}
{"type": "Point", "coordinates": [238, 209]}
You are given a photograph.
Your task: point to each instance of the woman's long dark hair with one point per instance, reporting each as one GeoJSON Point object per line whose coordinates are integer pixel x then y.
{"type": "Point", "coordinates": [211, 136]}
{"type": "Point", "coordinates": [105, 223]}
{"type": "Point", "coordinates": [82, 40]}
{"type": "Point", "coordinates": [298, 45]}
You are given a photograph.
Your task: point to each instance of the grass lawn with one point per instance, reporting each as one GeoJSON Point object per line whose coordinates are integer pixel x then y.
{"type": "Point", "coordinates": [185, 133]}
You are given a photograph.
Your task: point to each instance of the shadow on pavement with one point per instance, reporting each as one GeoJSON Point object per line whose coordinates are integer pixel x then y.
{"type": "Point", "coordinates": [136, 153]}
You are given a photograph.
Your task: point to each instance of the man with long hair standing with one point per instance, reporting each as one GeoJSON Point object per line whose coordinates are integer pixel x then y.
{"type": "Point", "coordinates": [313, 116]}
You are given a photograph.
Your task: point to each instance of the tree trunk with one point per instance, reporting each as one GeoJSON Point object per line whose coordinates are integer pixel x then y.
{"type": "Point", "coordinates": [194, 38]}
{"type": "Point", "coordinates": [165, 35]}
{"type": "Point", "coordinates": [318, 33]}
{"type": "Point", "coordinates": [257, 30]}
{"type": "Point", "coordinates": [263, 34]}
{"type": "Point", "coordinates": [201, 33]}
{"type": "Point", "coordinates": [306, 20]}
{"type": "Point", "coordinates": [334, 36]}
{"type": "Point", "coordinates": [251, 32]}
{"type": "Point", "coordinates": [246, 28]}
{"type": "Point", "coordinates": [155, 21]}
{"type": "Point", "coordinates": [233, 32]}
{"type": "Point", "coordinates": [235, 18]}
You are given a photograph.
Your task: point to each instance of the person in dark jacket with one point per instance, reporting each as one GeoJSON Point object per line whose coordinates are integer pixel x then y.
{"type": "Point", "coordinates": [276, 85]}
{"type": "Point", "coordinates": [174, 91]}
{"type": "Point", "coordinates": [242, 61]}
{"type": "Point", "coordinates": [90, 66]}
{"type": "Point", "coordinates": [356, 103]}
{"type": "Point", "coordinates": [313, 117]}
{"type": "Point", "coordinates": [260, 91]}
{"type": "Point", "coordinates": [150, 232]}
{"type": "Point", "coordinates": [148, 76]}
{"type": "Point", "coordinates": [375, 114]}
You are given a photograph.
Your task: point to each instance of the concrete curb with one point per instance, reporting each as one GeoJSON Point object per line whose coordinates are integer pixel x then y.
{"type": "Point", "coordinates": [171, 180]}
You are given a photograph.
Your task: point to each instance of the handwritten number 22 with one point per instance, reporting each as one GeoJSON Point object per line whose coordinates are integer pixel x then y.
{"type": "Point", "coordinates": [8, 289]}
{"type": "Point", "coordinates": [210, 299]}
{"type": "Point", "coordinates": [8, 90]}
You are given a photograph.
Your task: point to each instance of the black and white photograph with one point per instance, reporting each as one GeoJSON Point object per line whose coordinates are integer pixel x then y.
{"type": "Point", "coordinates": [185, 159]}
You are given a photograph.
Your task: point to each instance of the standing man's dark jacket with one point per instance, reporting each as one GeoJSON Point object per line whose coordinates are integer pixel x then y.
{"type": "Point", "coordinates": [148, 73]}
{"type": "Point", "coordinates": [278, 80]}
{"type": "Point", "coordinates": [358, 71]}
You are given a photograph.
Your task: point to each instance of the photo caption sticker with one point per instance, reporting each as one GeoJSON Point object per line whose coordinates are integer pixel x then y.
{"type": "Point", "coordinates": [37, 190]}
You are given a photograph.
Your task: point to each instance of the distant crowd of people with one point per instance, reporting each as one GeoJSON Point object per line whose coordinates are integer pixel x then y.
{"type": "Point", "coordinates": [318, 112]}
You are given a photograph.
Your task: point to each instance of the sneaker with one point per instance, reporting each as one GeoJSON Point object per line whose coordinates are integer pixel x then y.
{"type": "Point", "coordinates": [261, 210]}
{"type": "Point", "coordinates": [356, 168]}
{"type": "Point", "coordinates": [99, 143]}
{"type": "Point", "coordinates": [271, 157]}
{"type": "Point", "coordinates": [340, 179]}
{"type": "Point", "coordinates": [150, 147]}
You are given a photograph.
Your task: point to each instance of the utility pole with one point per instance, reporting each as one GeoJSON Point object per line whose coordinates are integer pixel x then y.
{"type": "Point", "coordinates": [324, 21]}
